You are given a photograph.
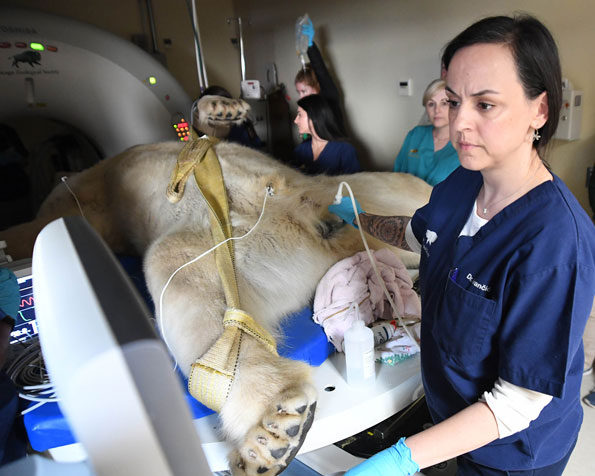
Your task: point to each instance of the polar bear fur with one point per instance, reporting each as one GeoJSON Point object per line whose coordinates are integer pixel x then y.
{"type": "Point", "coordinates": [278, 266]}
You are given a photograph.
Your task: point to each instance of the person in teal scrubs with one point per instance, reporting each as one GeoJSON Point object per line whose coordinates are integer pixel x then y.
{"type": "Point", "coordinates": [427, 152]}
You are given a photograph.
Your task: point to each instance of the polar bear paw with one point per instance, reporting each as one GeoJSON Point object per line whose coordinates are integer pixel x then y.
{"type": "Point", "coordinates": [217, 110]}
{"type": "Point", "coordinates": [271, 445]}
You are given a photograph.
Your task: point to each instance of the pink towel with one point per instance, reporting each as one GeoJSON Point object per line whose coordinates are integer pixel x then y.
{"type": "Point", "coordinates": [353, 280]}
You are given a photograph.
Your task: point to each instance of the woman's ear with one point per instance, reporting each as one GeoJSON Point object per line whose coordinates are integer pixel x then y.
{"type": "Point", "coordinates": [541, 113]}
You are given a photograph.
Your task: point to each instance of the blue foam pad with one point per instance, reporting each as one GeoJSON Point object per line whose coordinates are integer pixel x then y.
{"type": "Point", "coordinates": [303, 340]}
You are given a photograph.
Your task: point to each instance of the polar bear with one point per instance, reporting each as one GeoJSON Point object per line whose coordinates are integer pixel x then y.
{"type": "Point", "coordinates": [271, 403]}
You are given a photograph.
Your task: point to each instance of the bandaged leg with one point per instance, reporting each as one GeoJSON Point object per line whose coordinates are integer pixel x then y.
{"type": "Point", "coordinates": [213, 374]}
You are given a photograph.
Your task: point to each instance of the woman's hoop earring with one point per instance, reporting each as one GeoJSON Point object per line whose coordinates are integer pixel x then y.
{"type": "Point", "coordinates": [536, 135]}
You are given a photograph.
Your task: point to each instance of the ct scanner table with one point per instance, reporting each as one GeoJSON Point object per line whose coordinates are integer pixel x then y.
{"type": "Point", "coordinates": [340, 412]}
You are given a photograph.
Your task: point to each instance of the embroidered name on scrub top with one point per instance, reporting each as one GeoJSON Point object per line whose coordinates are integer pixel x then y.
{"type": "Point", "coordinates": [482, 287]}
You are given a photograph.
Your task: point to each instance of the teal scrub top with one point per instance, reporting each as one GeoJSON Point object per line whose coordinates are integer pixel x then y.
{"type": "Point", "coordinates": [417, 156]}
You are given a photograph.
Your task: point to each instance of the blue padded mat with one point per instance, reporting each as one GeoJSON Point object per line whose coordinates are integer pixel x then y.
{"type": "Point", "coordinates": [303, 340]}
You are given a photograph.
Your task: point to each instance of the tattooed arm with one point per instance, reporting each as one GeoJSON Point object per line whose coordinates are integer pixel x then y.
{"type": "Point", "coordinates": [391, 230]}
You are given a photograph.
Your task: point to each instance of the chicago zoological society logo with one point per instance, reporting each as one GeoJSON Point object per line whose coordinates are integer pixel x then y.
{"type": "Point", "coordinates": [431, 236]}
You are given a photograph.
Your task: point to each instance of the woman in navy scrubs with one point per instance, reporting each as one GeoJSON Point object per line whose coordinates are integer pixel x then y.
{"type": "Point", "coordinates": [326, 151]}
{"type": "Point", "coordinates": [507, 271]}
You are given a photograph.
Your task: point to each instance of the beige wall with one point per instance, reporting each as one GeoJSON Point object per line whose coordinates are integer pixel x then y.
{"type": "Point", "coordinates": [371, 44]}
{"type": "Point", "coordinates": [172, 20]}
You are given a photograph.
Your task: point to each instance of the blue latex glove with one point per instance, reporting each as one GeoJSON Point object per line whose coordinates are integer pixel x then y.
{"type": "Point", "coordinates": [308, 30]}
{"type": "Point", "coordinates": [345, 211]}
{"type": "Point", "coordinates": [10, 296]}
{"type": "Point", "coordinates": [395, 461]}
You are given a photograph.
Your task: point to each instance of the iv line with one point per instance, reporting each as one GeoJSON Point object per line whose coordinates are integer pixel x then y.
{"type": "Point", "coordinates": [269, 192]}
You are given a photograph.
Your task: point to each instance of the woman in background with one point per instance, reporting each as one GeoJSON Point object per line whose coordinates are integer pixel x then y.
{"type": "Point", "coordinates": [316, 79]}
{"type": "Point", "coordinates": [427, 152]}
{"type": "Point", "coordinates": [327, 151]}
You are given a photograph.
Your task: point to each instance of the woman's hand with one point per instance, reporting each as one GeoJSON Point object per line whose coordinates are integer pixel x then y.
{"type": "Point", "coordinates": [345, 211]}
{"type": "Point", "coordinates": [394, 461]}
{"type": "Point", "coordinates": [308, 30]}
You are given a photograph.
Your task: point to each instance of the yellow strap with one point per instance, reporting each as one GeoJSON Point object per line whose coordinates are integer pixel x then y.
{"type": "Point", "coordinates": [245, 322]}
{"type": "Point", "coordinates": [189, 157]}
{"type": "Point", "coordinates": [209, 179]}
{"type": "Point", "coordinates": [212, 376]}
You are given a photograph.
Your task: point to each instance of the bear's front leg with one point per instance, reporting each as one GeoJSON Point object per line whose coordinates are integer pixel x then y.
{"type": "Point", "coordinates": [271, 401]}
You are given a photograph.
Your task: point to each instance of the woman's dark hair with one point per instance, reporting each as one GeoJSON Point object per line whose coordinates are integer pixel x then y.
{"type": "Point", "coordinates": [322, 117]}
{"type": "Point", "coordinates": [535, 55]}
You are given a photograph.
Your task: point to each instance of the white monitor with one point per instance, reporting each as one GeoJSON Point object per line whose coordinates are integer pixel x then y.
{"type": "Point", "coordinates": [111, 372]}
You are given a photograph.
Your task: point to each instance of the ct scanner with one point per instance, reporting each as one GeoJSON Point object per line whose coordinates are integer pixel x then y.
{"type": "Point", "coordinates": [119, 96]}
{"type": "Point", "coordinates": [61, 69]}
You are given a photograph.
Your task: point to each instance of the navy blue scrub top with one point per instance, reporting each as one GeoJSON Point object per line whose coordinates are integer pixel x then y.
{"type": "Point", "coordinates": [336, 158]}
{"type": "Point", "coordinates": [510, 302]}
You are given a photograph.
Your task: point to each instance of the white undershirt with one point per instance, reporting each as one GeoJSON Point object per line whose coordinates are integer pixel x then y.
{"type": "Point", "coordinates": [513, 407]}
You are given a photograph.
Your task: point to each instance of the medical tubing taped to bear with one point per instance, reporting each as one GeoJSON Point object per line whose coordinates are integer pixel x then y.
{"type": "Point", "coordinates": [212, 375]}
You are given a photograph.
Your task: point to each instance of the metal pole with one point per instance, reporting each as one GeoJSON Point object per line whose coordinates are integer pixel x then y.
{"type": "Point", "coordinates": [152, 26]}
{"type": "Point", "coordinates": [200, 62]}
{"type": "Point", "coordinates": [242, 59]}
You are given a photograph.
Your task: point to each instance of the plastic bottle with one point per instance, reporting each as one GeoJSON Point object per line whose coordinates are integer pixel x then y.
{"type": "Point", "coordinates": [359, 354]}
{"type": "Point", "coordinates": [301, 40]}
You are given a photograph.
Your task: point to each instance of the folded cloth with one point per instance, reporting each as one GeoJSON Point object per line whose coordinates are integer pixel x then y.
{"type": "Point", "coordinates": [353, 280]}
{"type": "Point", "coordinates": [399, 347]}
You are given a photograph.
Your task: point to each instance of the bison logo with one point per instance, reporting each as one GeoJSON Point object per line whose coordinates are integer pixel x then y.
{"type": "Point", "coordinates": [31, 57]}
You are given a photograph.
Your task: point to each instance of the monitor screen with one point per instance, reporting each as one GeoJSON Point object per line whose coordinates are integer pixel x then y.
{"type": "Point", "coordinates": [25, 326]}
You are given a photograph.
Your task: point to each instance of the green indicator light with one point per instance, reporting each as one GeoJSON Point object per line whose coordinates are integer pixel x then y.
{"type": "Point", "coordinates": [37, 46]}
{"type": "Point", "coordinates": [152, 80]}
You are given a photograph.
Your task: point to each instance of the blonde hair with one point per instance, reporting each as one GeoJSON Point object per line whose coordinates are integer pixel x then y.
{"type": "Point", "coordinates": [308, 77]}
{"type": "Point", "coordinates": [434, 86]}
